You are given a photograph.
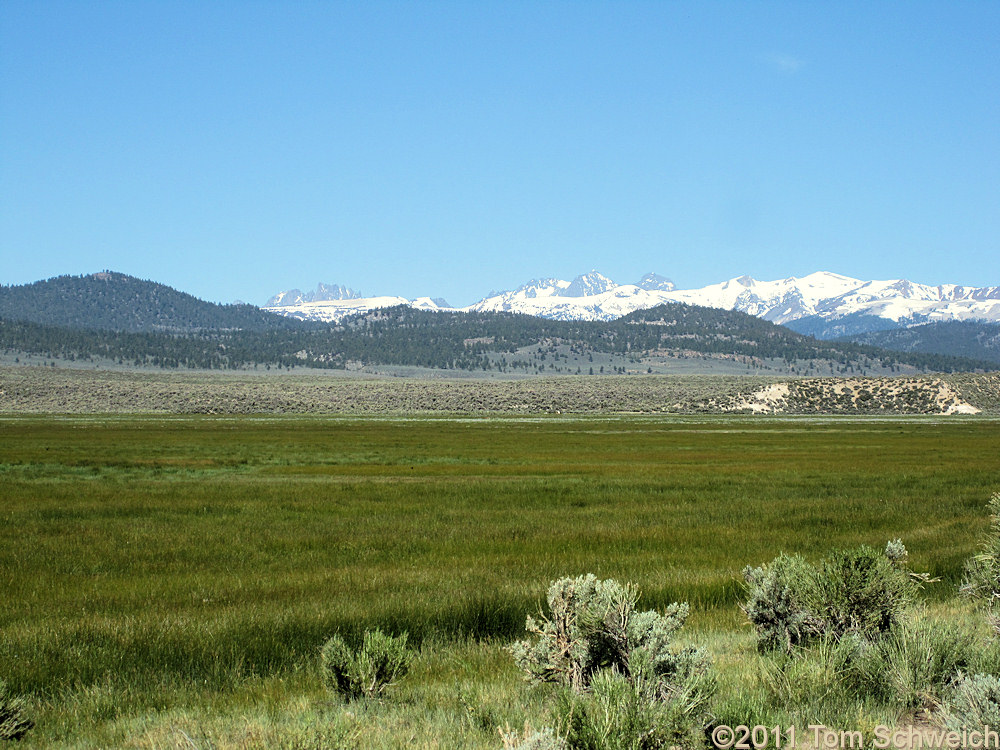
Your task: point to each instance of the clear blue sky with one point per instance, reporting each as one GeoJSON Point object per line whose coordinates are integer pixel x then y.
{"type": "Point", "coordinates": [235, 149]}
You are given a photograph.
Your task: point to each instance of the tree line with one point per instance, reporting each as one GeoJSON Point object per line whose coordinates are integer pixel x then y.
{"type": "Point", "coordinates": [465, 341]}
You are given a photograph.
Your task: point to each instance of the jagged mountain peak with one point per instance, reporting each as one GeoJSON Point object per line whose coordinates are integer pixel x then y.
{"type": "Point", "coordinates": [286, 299]}
{"type": "Point", "coordinates": [588, 284]}
{"type": "Point", "coordinates": [543, 287]}
{"type": "Point", "coordinates": [655, 282]}
{"type": "Point", "coordinates": [819, 299]}
{"type": "Point", "coordinates": [334, 291]}
{"type": "Point", "coordinates": [322, 293]}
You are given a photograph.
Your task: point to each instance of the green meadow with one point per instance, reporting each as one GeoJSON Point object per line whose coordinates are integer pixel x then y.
{"type": "Point", "coordinates": [169, 581]}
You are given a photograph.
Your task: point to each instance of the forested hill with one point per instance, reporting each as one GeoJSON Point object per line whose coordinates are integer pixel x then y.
{"type": "Point", "coordinates": [677, 320]}
{"type": "Point", "coordinates": [667, 327]}
{"type": "Point", "coordinates": [116, 302]}
{"type": "Point", "coordinates": [969, 338]}
{"type": "Point", "coordinates": [474, 341]}
{"type": "Point", "coordinates": [670, 327]}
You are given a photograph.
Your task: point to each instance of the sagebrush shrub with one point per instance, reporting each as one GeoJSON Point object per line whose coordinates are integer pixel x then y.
{"type": "Point", "coordinates": [859, 591]}
{"type": "Point", "coordinates": [974, 702]}
{"type": "Point", "coordinates": [13, 722]}
{"type": "Point", "coordinates": [592, 625]}
{"type": "Point", "coordinates": [584, 631]}
{"type": "Point", "coordinates": [982, 572]}
{"type": "Point", "coordinates": [623, 682]}
{"type": "Point", "coordinates": [542, 739]}
{"type": "Point", "coordinates": [896, 552]}
{"type": "Point", "coordinates": [368, 671]}
{"type": "Point", "coordinates": [780, 601]}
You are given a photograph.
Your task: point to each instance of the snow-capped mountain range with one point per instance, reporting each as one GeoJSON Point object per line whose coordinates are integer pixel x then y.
{"type": "Point", "coordinates": [323, 293]}
{"type": "Point", "coordinates": [813, 303]}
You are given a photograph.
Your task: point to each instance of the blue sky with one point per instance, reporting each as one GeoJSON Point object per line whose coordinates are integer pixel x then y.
{"type": "Point", "coordinates": [235, 149]}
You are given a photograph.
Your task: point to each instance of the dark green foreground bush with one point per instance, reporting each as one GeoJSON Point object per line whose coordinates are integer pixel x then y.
{"type": "Point", "coordinates": [859, 591]}
{"type": "Point", "coordinates": [366, 672]}
{"type": "Point", "coordinates": [982, 572]}
{"type": "Point", "coordinates": [623, 686]}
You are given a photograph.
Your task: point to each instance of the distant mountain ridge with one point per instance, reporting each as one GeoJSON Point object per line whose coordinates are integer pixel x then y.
{"type": "Point", "coordinates": [964, 338]}
{"type": "Point", "coordinates": [118, 318]}
{"type": "Point", "coordinates": [822, 304]}
{"type": "Point", "coordinates": [667, 337]}
{"type": "Point", "coordinates": [118, 302]}
{"type": "Point", "coordinates": [322, 293]}
{"type": "Point", "coordinates": [126, 306]}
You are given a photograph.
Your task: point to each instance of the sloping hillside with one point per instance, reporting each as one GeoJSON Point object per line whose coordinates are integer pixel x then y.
{"type": "Point", "coordinates": [973, 339]}
{"type": "Point", "coordinates": [116, 302]}
{"type": "Point", "coordinates": [918, 395]}
{"type": "Point", "coordinates": [497, 342]}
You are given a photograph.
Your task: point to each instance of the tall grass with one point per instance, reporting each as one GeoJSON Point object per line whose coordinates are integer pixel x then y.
{"type": "Point", "coordinates": [138, 553]}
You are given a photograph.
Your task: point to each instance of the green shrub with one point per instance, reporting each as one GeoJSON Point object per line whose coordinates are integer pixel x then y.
{"type": "Point", "coordinates": [593, 626]}
{"type": "Point", "coordinates": [369, 671]}
{"type": "Point", "coordinates": [974, 703]}
{"type": "Point", "coordinates": [843, 643]}
{"type": "Point", "coordinates": [913, 667]}
{"type": "Point", "coordinates": [616, 714]}
{"type": "Point", "coordinates": [13, 723]}
{"type": "Point", "coordinates": [779, 603]}
{"type": "Point", "coordinates": [896, 552]}
{"type": "Point", "coordinates": [858, 591]}
{"type": "Point", "coordinates": [861, 591]}
{"type": "Point", "coordinates": [624, 686]}
{"type": "Point", "coordinates": [542, 739]}
{"type": "Point", "coordinates": [585, 631]}
{"type": "Point", "coordinates": [982, 572]}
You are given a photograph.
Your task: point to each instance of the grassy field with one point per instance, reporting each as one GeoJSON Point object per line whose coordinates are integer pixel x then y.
{"type": "Point", "coordinates": [168, 581]}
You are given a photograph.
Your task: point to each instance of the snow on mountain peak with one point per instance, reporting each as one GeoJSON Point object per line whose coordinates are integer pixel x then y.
{"type": "Point", "coordinates": [333, 291]}
{"type": "Point", "coordinates": [822, 295]}
{"type": "Point", "coordinates": [589, 284]}
{"type": "Point", "coordinates": [285, 299]}
{"type": "Point", "coordinates": [323, 293]}
{"type": "Point", "coordinates": [654, 282]}
{"type": "Point", "coordinates": [539, 288]}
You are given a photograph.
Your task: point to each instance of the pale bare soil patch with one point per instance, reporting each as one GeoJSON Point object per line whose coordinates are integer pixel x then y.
{"type": "Point", "coordinates": [905, 395]}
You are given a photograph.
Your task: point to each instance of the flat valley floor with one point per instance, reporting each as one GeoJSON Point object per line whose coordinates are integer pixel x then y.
{"type": "Point", "coordinates": [168, 580]}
